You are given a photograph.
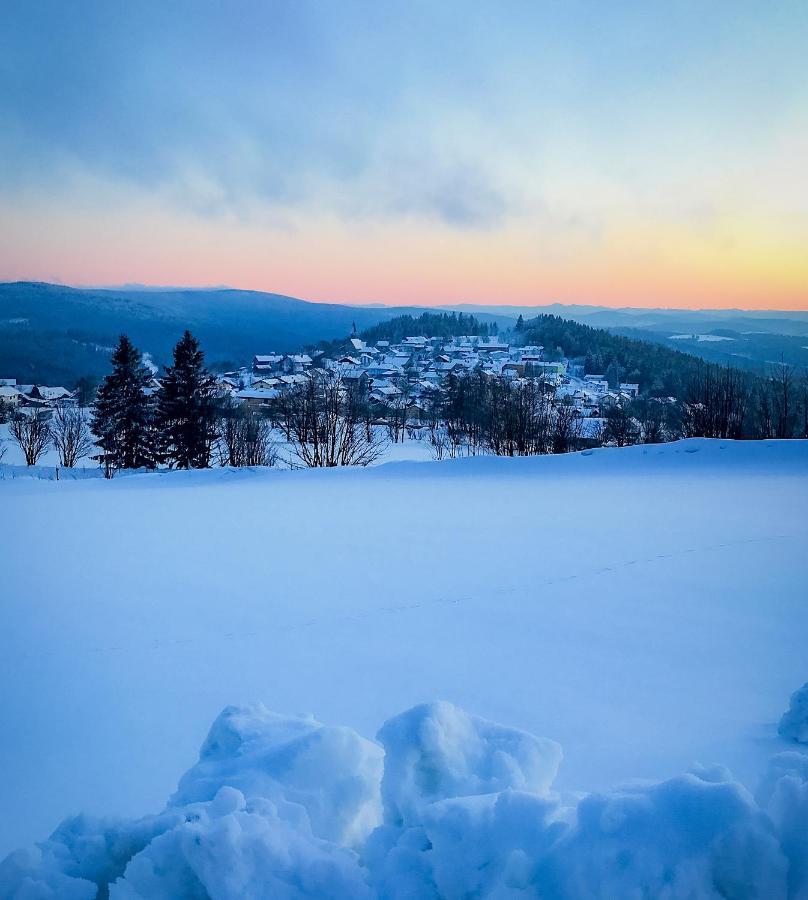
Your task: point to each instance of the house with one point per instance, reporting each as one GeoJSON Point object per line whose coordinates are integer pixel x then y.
{"type": "Point", "coordinates": [296, 363]}
{"type": "Point", "coordinates": [256, 399]}
{"type": "Point", "coordinates": [264, 364]}
{"type": "Point", "coordinates": [631, 389]}
{"type": "Point", "coordinates": [492, 345]}
{"type": "Point", "coordinates": [51, 395]}
{"type": "Point", "coordinates": [356, 380]}
{"type": "Point", "coordinates": [599, 387]}
{"type": "Point", "coordinates": [385, 393]}
{"type": "Point", "coordinates": [9, 394]}
{"type": "Point", "coordinates": [227, 384]}
{"type": "Point", "coordinates": [265, 384]}
{"type": "Point", "coordinates": [513, 370]}
{"type": "Point", "coordinates": [286, 382]}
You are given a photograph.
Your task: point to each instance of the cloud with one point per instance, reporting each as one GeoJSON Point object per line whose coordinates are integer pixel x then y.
{"type": "Point", "coordinates": [224, 107]}
{"type": "Point", "coordinates": [456, 113]}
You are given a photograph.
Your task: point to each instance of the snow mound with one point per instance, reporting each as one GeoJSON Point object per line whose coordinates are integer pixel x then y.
{"type": "Point", "coordinates": [794, 724]}
{"type": "Point", "coordinates": [229, 848]}
{"type": "Point", "coordinates": [681, 838]}
{"type": "Point", "coordinates": [436, 751]}
{"type": "Point", "coordinates": [331, 773]}
{"type": "Point", "coordinates": [282, 807]}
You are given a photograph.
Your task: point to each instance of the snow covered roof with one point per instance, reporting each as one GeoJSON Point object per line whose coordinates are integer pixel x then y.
{"type": "Point", "coordinates": [52, 393]}
{"type": "Point", "coordinates": [257, 394]}
{"type": "Point", "coordinates": [387, 390]}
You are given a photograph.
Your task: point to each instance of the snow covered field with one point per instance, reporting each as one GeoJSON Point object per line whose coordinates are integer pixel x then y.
{"type": "Point", "coordinates": [407, 450]}
{"type": "Point", "coordinates": [646, 608]}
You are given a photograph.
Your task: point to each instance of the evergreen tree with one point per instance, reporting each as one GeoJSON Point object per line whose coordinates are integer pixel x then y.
{"type": "Point", "coordinates": [186, 409]}
{"type": "Point", "coordinates": [520, 323]}
{"type": "Point", "coordinates": [122, 413]}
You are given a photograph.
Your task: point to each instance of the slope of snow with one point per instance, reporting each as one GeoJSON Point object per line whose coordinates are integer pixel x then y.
{"type": "Point", "coordinates": [645, 608]}
{"type": "Point", "coordinates": [12, 461]}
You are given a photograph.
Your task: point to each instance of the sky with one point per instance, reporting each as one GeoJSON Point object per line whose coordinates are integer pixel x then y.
{"type": "Point", "coordinates": [617, 153]}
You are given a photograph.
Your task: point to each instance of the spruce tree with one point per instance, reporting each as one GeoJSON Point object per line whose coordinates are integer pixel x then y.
{"type": "Point", "coordinates": [186, 414]}
{"type": "Point", "coordinates": [123, 412]}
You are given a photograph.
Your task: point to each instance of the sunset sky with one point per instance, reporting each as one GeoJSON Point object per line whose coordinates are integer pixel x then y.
{"type": "Point", "coordinates": [618, 153]}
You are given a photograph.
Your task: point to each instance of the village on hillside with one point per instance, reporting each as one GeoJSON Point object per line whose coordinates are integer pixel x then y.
{"type": "Point", "coordinates": [410, 377]}
{"type": "Point", "coordinates": [402, 384]}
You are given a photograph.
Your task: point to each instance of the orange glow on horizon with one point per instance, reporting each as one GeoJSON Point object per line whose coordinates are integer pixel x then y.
{"type": "Point", "coordinates": [731, 263]}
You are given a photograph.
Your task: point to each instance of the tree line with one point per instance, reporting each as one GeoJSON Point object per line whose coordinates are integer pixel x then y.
{"type": "Point", "coordinates": [131, 425]}
{"type": "Point", "coordinates": [329, 421]}
{"type": "Point", "coordinates": [443, 325]}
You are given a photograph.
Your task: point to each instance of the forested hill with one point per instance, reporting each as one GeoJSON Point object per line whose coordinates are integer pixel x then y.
{"type": "Point", "coordinates": [55, 334]}
{"type": "Point", "coordinates": [658, 370]}
{"type": "Point", "coordinates": [429, 324]}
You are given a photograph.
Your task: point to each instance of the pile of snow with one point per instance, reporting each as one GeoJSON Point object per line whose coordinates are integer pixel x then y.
{"type": "Point", "coordinates": [283, 807]}
{"type": "Point", "coordinates": [648, 602]}
{"type": "Point", "coordinates": [331, 773]}
{"type": "Point", "coordinates": [794, 724]}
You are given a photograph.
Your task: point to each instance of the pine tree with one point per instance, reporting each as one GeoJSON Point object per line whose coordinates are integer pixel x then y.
{"type": "Point", "coordinates": [186, 413]}
{"type": "Point", "coordinates": [123, 412]}
{"type": "Point", "coordinates": [520, 323]}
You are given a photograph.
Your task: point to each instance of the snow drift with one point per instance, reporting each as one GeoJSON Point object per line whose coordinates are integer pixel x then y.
{"type": "Point", "coordinates": [453, 806]}
{"type": "Point", "coordinates": [794, 723]}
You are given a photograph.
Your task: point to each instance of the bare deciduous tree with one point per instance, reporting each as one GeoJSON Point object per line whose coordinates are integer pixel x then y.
{"type": "Point", "coordinates": [782, 378]}
{"type": "Point", "coordinates": [245, 437]}
{"type": "Point", "coordinates": [621, 428]}
{"type": "Point", "coordinates": [717, 403]}
{"type": "Point", "coordinates": [32, 433]}
{"type": "Point", "coordinates": [567, 426]}
{"type": "Point", "coordinates": [6, 411]}
{"type": "Point", "coordinates": [325, 423]}
{"type": "Point", "coordinates": [71, 435]}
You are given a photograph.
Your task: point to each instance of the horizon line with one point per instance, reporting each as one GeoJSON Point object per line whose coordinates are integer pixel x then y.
{"type": "Point", "coordinates": [167, 288]}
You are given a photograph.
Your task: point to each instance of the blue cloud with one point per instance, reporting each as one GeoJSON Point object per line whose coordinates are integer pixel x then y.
{"type": "Point", "coordinates": [306, 103]}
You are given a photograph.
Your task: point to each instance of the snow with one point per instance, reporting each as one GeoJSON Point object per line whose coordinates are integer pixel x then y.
{"type": "Point", "coordinates": [467, 812]}
{"type": "Point", "coordinates": [436, 751]}
{"type": "Point", "coordinates": [643, 608]}
{"type": "Point", "coordinates": [14, 456]}
{"type": "Point", "coordinates": [330, 772]}
{"type": "Point", "coordinates": [701, 338]}
{"type": "Point", "coordinates": [12, 463]}
{"type": "Point", "coordinates": [794, 723]}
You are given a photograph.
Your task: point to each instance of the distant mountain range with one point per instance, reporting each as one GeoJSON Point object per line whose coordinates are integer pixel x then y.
{"type": "Point", "coordinates": [673, 321]}
{"type": "Point", "coordinates": [749, 339]}
{"type": "Point", "coordinates": [55, 334]}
